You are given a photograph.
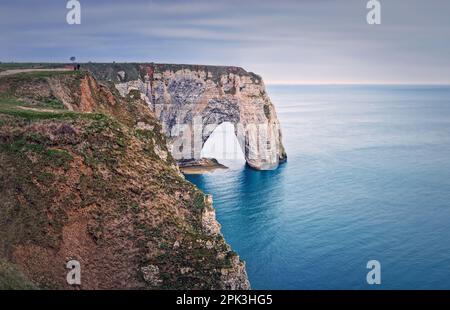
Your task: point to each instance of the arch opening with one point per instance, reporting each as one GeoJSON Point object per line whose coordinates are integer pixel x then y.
{"type": "Point", "coordinates": [224, 146]}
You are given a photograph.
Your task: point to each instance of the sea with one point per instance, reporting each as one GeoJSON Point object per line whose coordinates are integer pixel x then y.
{"type": "Point", "coordinates": [367, 178]}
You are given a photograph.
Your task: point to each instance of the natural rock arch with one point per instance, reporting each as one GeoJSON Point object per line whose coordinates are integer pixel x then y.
{"type": "Point", "coordinates": [191, 101]}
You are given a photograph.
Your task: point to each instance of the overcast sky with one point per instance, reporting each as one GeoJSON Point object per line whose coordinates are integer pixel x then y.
{"type": "Point", "coordinates": [309, 41]}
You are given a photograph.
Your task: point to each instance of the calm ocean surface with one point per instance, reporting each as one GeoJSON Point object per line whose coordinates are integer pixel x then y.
{"type": "Point", "coordinates": [368, 177]}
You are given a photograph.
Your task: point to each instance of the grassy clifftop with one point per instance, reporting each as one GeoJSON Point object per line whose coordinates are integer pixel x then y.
{"type": "Point", "coordinates": [86, 175]}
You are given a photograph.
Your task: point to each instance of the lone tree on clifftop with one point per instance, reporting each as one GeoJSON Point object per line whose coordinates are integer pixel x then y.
{"type": "Point", "coordinates": [75, 66]}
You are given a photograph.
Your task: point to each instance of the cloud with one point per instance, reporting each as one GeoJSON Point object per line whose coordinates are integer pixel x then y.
{"type": "Point", "coordinates": [296, 41]}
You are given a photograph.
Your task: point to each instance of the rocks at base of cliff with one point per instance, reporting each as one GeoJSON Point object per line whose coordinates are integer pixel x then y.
{"type": "Point", "coordinates": [234, 278]}
{"type": "Point", "coordinates": [199, 166]}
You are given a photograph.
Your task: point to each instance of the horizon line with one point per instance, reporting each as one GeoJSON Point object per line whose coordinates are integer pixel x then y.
{"type": "Point", "coordinates": [359, 84]}
{"type": "Point", "coordinates": [328, 83]}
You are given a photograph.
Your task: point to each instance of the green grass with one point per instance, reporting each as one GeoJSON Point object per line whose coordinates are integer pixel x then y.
{"type": "Point", "coordinates": [34, 115]}
{"type": "Point", "coordinates": [12, 279]}
{"type": "Point", "coordinates": [51, 104]}
{"type": "Point", "coordinates": [9, 101]}
{"type": "Point", "coordinates": [14, 66]}
{"type": "Point", "coordinates": [48, 104]}
{"type": "Point", "coordinates": [41, 74]}
{"type": "Point", "coordinates": [21, 145]}
{"type": "Point", "coordinates": [60, 158]}
{"type": "Point", "coordinates": [12, 107]}
{"type": "Point", "coordinates": [28, 65]}
{"type": "Point", "coordinates": [37, 144]}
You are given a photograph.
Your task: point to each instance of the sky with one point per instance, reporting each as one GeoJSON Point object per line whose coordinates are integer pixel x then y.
{"type": "Point", "coordinates": [284, 41]}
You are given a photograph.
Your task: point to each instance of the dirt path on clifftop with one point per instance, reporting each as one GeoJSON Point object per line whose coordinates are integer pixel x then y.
{"type": "Point", "coordinates": [38, 109]}
{"type": "Point", "coordinates": [17, 71]}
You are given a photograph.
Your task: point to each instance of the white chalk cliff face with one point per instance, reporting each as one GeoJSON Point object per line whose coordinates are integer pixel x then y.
{"type": "Point", "coordinates": [191, 101]}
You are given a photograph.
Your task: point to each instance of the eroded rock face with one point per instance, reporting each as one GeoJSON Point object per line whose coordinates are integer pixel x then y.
{"type": "Point", "coordinates": [191, 101]}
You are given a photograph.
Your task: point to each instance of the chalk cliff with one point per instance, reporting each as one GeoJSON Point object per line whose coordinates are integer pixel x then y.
{"type": "Point", "coordinates": [86, 175]}
{"type": "Point", "coordinates": [191, 101]}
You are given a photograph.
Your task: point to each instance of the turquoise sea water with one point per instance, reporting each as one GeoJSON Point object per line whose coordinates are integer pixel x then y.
{"type": "Point", "coordinates": [367, 177]}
